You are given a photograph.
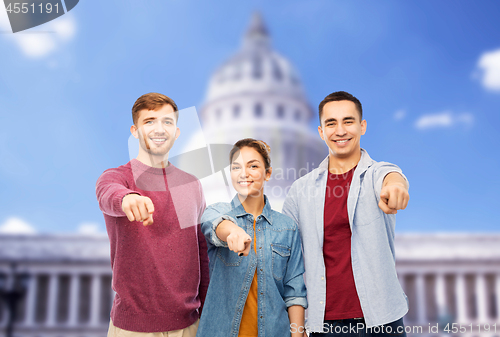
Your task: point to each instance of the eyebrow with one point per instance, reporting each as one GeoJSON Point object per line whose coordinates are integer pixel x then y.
{"type": "Point", "coordinates": [334, 120]}
{"type": "Point", "coordinates": [154, 118]}
{"type": "Point", "coordinates": [251, 161]}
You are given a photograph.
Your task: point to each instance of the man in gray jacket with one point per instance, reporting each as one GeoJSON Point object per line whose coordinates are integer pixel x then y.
{"type": "Point", "coordinates": [346, 210]}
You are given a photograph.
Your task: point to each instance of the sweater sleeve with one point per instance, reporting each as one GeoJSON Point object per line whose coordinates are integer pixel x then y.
{"type": "Point", "coordinates": [110, 189]}
{"type": "Point", "coordinates": [204, 269]}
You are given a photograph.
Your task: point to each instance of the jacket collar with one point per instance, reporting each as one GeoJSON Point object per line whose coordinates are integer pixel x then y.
{"type": "Point", "coordinates": [364, 163]}
{"type": "Point", "coordinates": [239, 210]}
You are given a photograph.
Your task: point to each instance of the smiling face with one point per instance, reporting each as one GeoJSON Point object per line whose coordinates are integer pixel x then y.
{"type": "Point", "coordinates": [157, 132]}
{"type": "Point", "coordinates": [341, 129]}
{"type": "Point", "coordinates": [248, 172]}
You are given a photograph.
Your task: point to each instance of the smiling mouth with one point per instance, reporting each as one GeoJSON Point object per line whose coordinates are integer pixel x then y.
{"type": "Point", "coordinates": [158, 141]}
{"type": "Point", "coordinates": [342, 141]}
{"type": "Point", "coordinates": [244, 183]}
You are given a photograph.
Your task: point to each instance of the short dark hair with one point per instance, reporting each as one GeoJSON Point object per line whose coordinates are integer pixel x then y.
{"type": "Point", "coordinates": [152, 101]}
{"type": "Point", "coordinates": [258, 145]}
{"type": "Point", "coordinates": [340, 96]}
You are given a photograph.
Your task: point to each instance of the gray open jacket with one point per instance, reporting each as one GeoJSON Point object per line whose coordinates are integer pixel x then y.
{"type": "Point", "coordinates": [372, 242]}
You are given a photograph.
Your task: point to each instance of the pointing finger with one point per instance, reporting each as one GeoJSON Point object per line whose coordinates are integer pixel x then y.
{"type": "Point", "coordinates": [144, 211]}
{"type": "Point", "coordinates": [136, 213]}
{"type": "Point", "coordinates": [393, 201]}
{"type": "Point", "coordinates": [248, 245]}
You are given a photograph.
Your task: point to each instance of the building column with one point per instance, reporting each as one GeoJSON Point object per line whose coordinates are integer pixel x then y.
{"type": "Point", "coordinates": [481, 299]}
{"type": "Point", "coordinates": [74, 300]}
{"type": "Point", "coordinates": [95, 300]}
{"type": "Point", "coordinates": [461, 296]}
{"type": "Point", "coordinates": [497, 296]}
{"type": "Point", "coordinates": [421, 298]}
{"type": "Point", "coordinates": [29, 317]}
{"type": "Point", "coordinates": [9, 285]}
{"type": "Point", "coordinates": [52, 301]}
{"type": "Point", "coordinates": [441, 296]}
{"type": "Point", "coordinates": [5, 317]}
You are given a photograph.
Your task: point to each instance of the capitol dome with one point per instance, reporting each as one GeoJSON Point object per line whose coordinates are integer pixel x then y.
{"type": "Point", "coordinates": [256, 68]}
{"type": "Point", "coordinates": [255, 84]}
{"type": "Point", "coordinates": [257, 93]}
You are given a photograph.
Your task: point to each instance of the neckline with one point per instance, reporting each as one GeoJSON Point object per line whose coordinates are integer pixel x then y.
{"type": "Point", "coordinates": [140, 167]}
{"type": "Point", "coordinates": [342, 174]}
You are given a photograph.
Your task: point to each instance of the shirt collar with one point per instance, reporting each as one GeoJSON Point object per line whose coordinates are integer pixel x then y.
{"type": "Point", "coordinates": [239, 210]}
{"type": "Point", "coordinates": [364, 163]}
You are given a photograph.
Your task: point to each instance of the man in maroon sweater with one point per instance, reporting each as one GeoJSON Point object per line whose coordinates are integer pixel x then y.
{"type": "Point", "coordinates": [152, 211]}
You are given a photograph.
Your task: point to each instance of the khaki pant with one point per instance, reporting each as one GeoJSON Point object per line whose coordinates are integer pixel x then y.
{"type": "Point", "coordinates": [190, 331]}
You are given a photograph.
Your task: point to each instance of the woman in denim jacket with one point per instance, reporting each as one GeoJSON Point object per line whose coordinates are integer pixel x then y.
{"type": "Point", "coordinates": [256, 284]}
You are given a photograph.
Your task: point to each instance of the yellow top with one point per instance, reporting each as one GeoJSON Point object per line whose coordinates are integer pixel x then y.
{"type": "Point", "coordinates": [249, 320]}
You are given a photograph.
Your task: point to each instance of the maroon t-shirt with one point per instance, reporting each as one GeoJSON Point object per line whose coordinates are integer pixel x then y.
{"type": "Point", "coordinates": [342, 300]}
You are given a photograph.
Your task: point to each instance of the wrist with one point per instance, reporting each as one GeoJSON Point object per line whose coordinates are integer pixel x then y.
{"type": "Point", "coordinates": [235, 229]}
{"type": "Point", "coordinates": [128, 194]}
{"type": "Point", "coordinates": [396, 183]}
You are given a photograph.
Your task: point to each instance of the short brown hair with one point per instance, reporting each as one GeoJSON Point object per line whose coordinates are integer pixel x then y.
{"type": "Point", "coordinates": [152, 101]}
{"type": "Point", "coordinates": [340, 96]}
{"type": "Point", "coordinates": [258, 145]}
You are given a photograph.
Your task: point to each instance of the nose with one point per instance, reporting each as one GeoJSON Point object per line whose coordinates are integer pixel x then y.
{"type": "Point", "coordinates": [340, 131]}
{"type": "Point", "coordinates": [243, 173]}
{"type": "Point", "coordinates": [159, 127]}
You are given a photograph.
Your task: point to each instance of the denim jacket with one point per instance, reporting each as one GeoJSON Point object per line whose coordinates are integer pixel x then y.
{"type": "Point", "coordinates": [372, 242]}
{"type": "Point", "coordinates": [279, 266]}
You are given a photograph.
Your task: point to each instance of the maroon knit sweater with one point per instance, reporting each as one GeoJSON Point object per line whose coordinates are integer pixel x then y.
{"type": "Point", "coordinates": [160, 272]}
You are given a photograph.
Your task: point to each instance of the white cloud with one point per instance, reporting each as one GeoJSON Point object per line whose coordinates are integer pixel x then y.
{"type": "Point", "coordinates": [489, 66]}
{"type": "Point", "coordinates": [400, 114]}
{"type": "Point", "coordinates": [65, 27]}
{"type": "Point", "coordinates": [42, 40]}
{"type": "Point", "coordinates": [14, 226]}
{"type": "Point", "coordinates": [89, 228]}
{"type": "Point", "coordinates": [35, 45]}
{"type": "Point", "coordinates": [444, 119]}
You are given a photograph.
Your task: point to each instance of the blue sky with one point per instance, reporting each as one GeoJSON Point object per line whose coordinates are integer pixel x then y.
{"type": "Point", "coordinates": [427, 73]}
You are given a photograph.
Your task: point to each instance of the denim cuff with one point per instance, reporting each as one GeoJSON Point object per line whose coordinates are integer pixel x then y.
{"type": "Point", "coordinates": [215, 239]}
{"type": "Point", "coordinates": [294, 300]}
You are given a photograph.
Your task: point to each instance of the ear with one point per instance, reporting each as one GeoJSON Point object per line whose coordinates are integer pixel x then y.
{"type": "Point", "coordinates": [363, 126]}
{"type": "Point", "coordinates": [268, 173]}
{"type": "Point", "coordinates": [177, 133]}
{"type": "Point", "coordinates": [134, 131]}
{"type": "Point", "coordinates": [320, 131]}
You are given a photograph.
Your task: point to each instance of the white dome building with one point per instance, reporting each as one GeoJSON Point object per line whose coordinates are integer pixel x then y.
{"type": "Point", "coordinates": [258, 94]}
